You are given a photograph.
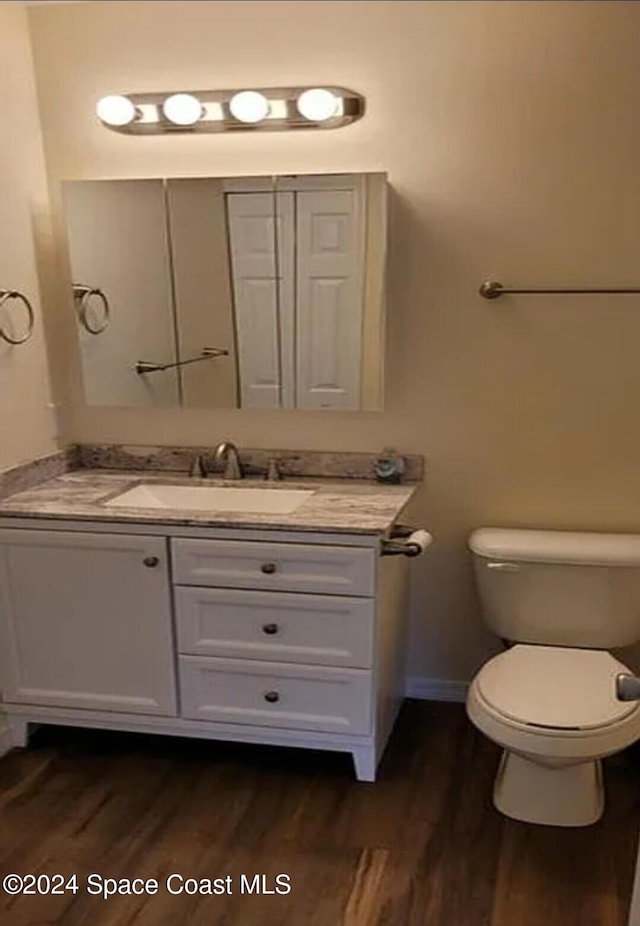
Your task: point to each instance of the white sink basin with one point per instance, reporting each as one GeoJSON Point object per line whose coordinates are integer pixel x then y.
{"type": "Point", "coordinates": [212, 498]}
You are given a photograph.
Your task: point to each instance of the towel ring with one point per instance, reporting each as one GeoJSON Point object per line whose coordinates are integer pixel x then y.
{"type": "Point", "coordinates": [83, 294]}
{"type": "Point", "coordinates": [5, 296]}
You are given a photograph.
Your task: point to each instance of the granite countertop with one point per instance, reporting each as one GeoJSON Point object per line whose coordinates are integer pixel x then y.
{"type": "Point", "coordinates": [337, 505]}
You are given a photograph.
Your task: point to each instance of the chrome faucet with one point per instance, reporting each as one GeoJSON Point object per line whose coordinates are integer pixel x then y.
{"type": "Point", "coordinates": [198, 469]}
{"type": "Point", "coordinates": [227, 452]}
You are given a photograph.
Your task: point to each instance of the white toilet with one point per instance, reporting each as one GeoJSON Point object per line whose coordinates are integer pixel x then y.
{"type": "Point", "coordinates": [563, 599]}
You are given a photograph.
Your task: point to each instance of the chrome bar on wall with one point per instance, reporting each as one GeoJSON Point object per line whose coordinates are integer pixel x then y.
{"type": "Point", "coordinates": [492, 289]}
{"type": "Point", "coordinates": [147, 366]}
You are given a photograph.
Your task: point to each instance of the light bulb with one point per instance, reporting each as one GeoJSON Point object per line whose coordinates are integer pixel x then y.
{"type": "Point", "coordinates": [318, 104]}
{"type": "Point", "coordinates": [249, 106]}
{"type": "Point", "coordinates": [115, 110]}
{"type": "Point", "coordinates": [182, 109]}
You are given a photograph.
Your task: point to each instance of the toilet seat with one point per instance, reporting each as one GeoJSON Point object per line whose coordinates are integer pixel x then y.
{"type": "Point", "coordinates": [514, 701]}
{"type": "Point", "coordinates": [553, 688]}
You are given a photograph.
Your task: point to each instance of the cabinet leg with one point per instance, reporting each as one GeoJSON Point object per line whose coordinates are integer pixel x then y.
{"type": "Point", "coordinates": [18, 731]}
{"type": "Point", "coordinates": [364, 760]}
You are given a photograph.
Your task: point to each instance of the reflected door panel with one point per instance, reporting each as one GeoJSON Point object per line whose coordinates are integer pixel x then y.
{"type": "Point", "coordinates": [330, 245]}
{"type": "Point", "coordinates": [286, 257]}
{"type": "Point", "coordinates": [261, 288]}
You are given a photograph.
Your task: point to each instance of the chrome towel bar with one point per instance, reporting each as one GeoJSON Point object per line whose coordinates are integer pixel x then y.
{"type": "Point", "coordinates": [5, 296]}
{"type": "Point", "coordinates": [147, 366]}
{"type": "Point", "coordinates": [492, 289]}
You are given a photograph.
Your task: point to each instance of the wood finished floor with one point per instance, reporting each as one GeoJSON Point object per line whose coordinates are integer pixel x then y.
{"type": "Point", "coordinates": [422, 847]}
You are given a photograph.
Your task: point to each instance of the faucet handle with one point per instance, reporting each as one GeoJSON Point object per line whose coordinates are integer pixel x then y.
{"type": "Point", "coordinates": [627, 687]}
{"type": "Point", "coordinates": [232, 469]}
{"type": "Point", "coordinates": [273, 473]}
{"type": "Point", "coordinates": [198, 469]}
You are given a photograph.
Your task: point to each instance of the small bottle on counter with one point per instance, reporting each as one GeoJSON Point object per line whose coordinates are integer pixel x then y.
{"type": "Point", "coordinates": [273, 471]}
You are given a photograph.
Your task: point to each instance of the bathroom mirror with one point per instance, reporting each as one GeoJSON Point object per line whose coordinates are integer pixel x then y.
{"type": "Point", "coordinates": [251, 292]}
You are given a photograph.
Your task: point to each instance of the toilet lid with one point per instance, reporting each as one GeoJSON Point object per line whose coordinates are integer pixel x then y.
{"type": "Point", "coordinates": [553, 686]}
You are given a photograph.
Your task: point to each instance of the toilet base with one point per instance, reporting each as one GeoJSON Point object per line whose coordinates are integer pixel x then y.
{"type": "Point", "coordinates": [570, 795]}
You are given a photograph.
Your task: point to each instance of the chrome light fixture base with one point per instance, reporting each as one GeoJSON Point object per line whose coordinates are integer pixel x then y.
{"type": "Point", "coordinates": [282, 113]}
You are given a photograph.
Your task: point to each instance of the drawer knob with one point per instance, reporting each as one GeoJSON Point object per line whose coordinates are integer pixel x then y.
{"type": "Point", "coordinates": [272, 697]}
{"type": "Point", "coordinates": [270, 629]}
{"type": "Point", "coordinates": [151, 561]}
{"type": "Point", "coordinates": [268, 568]}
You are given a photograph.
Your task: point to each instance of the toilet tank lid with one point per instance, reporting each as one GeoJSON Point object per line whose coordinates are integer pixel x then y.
{"type": "Point", "coordinates": [573, 547]}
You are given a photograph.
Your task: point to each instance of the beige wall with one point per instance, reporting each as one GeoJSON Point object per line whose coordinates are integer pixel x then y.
{"type": "Point", "coordinates": [511, 134]}
{"type": "Point", "coordinates": [202, 281]}
{"type": "Point", "coordinates": [27, 426]}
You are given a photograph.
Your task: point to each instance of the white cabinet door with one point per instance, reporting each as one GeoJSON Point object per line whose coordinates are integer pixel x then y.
{"type": "Point", "coordinates": [329, 262]}
{"type": "Point", "coordinates": [263, 295]}
{"type": "Point", "coordinates": [85, 621]}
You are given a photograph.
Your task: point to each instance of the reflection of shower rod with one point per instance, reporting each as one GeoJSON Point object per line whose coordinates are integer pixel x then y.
{"type": "Point", "coordinates": [145, 366]}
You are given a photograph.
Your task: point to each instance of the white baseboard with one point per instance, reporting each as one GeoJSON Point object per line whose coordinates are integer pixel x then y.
{"type": "Point", "coordinates": [435, 689]}
{"type": "Point", "coordinates": [5, 740]}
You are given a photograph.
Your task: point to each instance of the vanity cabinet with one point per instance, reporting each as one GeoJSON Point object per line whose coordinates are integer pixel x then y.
{"type": "Point", "coordinates": [315, 650]}
{"type": "Point", "coordinates": [297, 643]}
{"type": "Point", "coordinates": [86, 621]}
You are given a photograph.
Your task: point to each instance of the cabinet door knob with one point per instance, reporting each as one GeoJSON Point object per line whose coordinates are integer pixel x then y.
{"type": "Point", "coordinates": [272, 697]}
{"type": "Point", "coordinates": [151, 561]}
{"type": "Point", "coordinates": [268, 568]}
{"type": "Point", "coordinates": [270, 629]}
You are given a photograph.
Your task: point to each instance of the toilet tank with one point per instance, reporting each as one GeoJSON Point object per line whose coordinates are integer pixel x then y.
{"type": "Point", "coordinates": [559, 588]}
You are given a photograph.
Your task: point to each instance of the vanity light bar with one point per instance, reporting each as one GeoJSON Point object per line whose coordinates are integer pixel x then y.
{"type": "Point", "coordinates": [270, 109]}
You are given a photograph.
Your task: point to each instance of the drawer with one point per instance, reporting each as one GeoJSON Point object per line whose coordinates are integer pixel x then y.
{"type": "Point", "coordinates": [273, 694]}
{"type": "Point", "coordinates": [274, 566]}
{"type": "Point", "coordinates": [320, 629]}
